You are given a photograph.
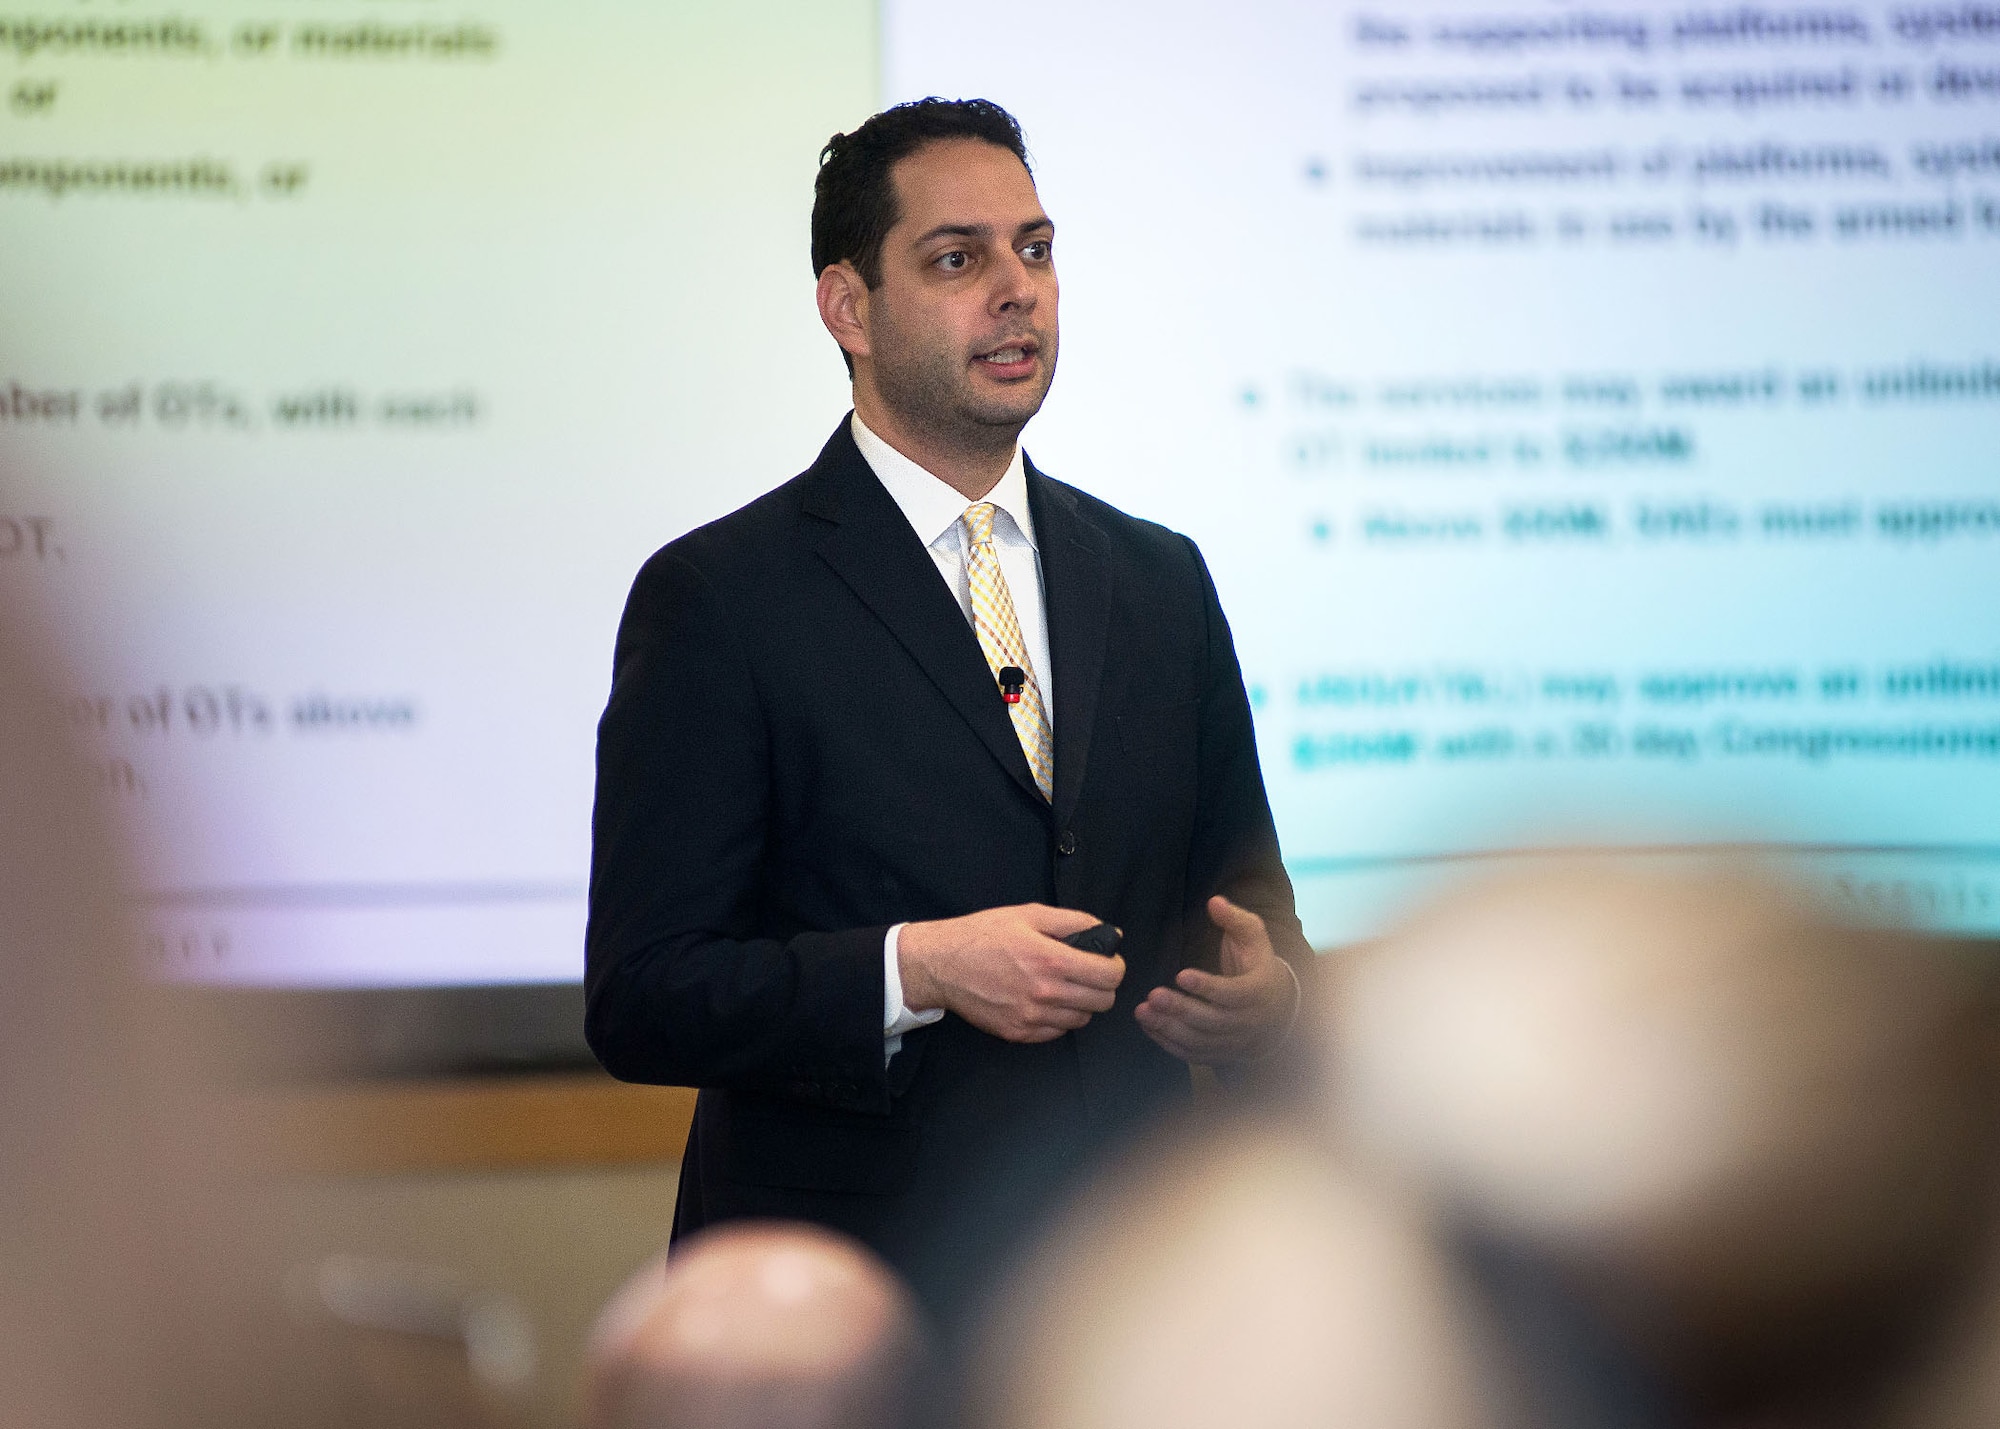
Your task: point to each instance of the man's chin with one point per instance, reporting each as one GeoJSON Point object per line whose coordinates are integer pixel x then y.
{"type": "Point", "coordinates": [1005, 405]}
{"type": "Point", "coordinates": [961, 408]}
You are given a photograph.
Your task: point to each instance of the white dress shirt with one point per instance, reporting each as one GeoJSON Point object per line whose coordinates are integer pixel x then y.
{"type": "Point", "coordinates": [933, 509]}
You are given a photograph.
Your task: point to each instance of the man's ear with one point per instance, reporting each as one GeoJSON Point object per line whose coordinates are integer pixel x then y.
{"type": "Point", "coordinates": [843, 307]}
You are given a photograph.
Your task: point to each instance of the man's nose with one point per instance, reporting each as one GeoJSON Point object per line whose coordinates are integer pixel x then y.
{"type": "Point", "coordinates": [1013, 286]}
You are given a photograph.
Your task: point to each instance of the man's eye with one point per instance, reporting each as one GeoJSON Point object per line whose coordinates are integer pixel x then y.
{"type": "Point", "coordinates": [954, 261]}
{"type": "Point", "coordinates": [1037, 252]}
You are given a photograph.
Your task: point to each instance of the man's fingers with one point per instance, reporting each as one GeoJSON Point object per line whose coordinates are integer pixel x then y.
{"type": "Point", "coordinates": [1174, 1037]}
{"type": "Point", "coordinates": [1057, 923]}
{"type": "Point", "coordinates": [1026, 984]}
{"type": "Point", "coordinates": [1159, 1027]}
{"type": "Point", "coordinates": [1062, 1019]}
{"type": "Point", "coordinates": [1094, 999]}
{"type": "Point", "coordinates": [1246, 942]}
{"type": "Point", "coordinates": [1238, 922]}
{"type": "Point", "coordinates": [1206, 1018]}
{"type": "Point", "coordinates": [1192, 1013]}
{"type": "Point", "coordinates": [1091, 970]}
{"type": "Point", "coordinates": [1077, 997]}
{"type": "Point", "coordinates": [1230, 992]}
{"type": "Point", "coordinates": [1043, 1025]}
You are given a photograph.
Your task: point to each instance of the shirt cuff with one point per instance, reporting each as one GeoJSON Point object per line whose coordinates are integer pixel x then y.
{"type": "Point", "coordinates": [896, 1018]}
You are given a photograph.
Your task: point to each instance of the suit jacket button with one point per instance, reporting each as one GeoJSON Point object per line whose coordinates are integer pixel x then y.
{"type": "Point", "coordinates": [1066, 843]}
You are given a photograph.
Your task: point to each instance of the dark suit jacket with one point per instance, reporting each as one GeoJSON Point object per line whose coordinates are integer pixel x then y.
{"type": "Point", "coordinates": [804, 746]}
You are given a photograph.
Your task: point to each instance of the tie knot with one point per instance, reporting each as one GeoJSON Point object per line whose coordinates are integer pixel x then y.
{"type": "Point", "coordinates": [978, 519]}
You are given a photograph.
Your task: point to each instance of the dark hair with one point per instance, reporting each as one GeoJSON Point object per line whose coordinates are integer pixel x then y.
{"type": "Point", "coordinates": [854, 201]}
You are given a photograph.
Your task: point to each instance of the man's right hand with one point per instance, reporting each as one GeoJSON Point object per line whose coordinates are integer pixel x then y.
{"type": "Point", "coordinates": [1004, 971]}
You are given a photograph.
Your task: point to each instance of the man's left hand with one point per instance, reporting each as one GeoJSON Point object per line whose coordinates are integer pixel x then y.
{"type": "Point", "coordinates": [1232, 1017]}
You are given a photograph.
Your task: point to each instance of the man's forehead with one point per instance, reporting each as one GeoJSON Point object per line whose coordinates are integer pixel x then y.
{"type": "Point", "coordinates": [964, 182]}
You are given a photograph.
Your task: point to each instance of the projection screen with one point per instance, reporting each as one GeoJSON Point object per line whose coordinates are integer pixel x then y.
{"type": "Point", "coordinates": [1590, 416]}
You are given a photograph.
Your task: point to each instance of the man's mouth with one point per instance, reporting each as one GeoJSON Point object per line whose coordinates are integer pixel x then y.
{"type": "Point", "coordinates": [1014, 360]}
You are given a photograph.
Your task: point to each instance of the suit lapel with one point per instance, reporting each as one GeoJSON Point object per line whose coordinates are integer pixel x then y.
{"type": "Point", "coordinates": [862, 534]}
{"type": "Point", "coordinates": [1076, 585]}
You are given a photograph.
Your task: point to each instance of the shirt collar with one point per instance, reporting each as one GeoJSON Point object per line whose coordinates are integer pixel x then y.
{"type": "Point", "coordinates": [929, 504]}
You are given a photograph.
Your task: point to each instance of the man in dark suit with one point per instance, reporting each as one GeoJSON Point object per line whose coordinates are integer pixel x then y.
{"type": "Point", "coordinates": [879, 740]}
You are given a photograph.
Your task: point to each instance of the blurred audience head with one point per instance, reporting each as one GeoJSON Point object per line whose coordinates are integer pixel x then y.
{"type": "Point", "coordinates": [138, 1286]}
{"type": "Point", "coordinates": [1236, 1279]}
{"type": "Point", "coordinates": [757, 1325]}
{"type": "Point", "coordinates": [67, 1112]}
{"type": "Point", "coordinates": [1734, 1152]}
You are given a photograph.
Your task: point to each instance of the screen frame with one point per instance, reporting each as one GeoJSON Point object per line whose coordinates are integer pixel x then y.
{"type": "Point", "coordinates": [283, 1034]}
{"type": "Point", "coordinates": [512, 1029]}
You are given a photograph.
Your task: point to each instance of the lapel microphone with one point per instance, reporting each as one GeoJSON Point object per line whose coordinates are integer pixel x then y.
{"type": "Point", "coordinates": [1013, 680]}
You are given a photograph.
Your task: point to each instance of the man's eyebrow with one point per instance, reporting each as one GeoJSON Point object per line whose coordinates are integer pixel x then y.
{"type": "Point", "coordinates": [979, 230]}
{"type": "Point", "coordinates": [956, 230]}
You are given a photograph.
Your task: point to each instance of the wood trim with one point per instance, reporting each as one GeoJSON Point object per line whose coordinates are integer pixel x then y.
{"type": "Point", "coordinates": [464, 1124]}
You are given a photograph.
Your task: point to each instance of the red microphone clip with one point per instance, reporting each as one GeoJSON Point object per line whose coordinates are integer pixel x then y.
{"type": "Point", "coordinates": [1013, 679]}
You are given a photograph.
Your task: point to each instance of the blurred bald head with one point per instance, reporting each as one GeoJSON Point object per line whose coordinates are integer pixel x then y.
{"type": "Point", "coordinates": [756, 1325]}
{"type": "Point", "coordinates": [1236, 1281]}
{"type": "Point", "coordinates": [1754, 1142]}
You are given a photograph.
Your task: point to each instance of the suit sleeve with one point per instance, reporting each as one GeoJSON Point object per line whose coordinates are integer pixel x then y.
{"type": "Point", "coordinates": [682, 985]}
{"type": "Point", "coordinates": [1235, 849]}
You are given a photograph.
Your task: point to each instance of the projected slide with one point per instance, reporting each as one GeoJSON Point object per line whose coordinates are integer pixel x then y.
{"type": "Point", "coordinates": [1591, 413]}
{"type": "Point", "coordinates": [352, 358]}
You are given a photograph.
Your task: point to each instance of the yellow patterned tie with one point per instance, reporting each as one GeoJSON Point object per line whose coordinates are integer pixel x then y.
{"type": "Point", "coordinates": [999, 633]}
